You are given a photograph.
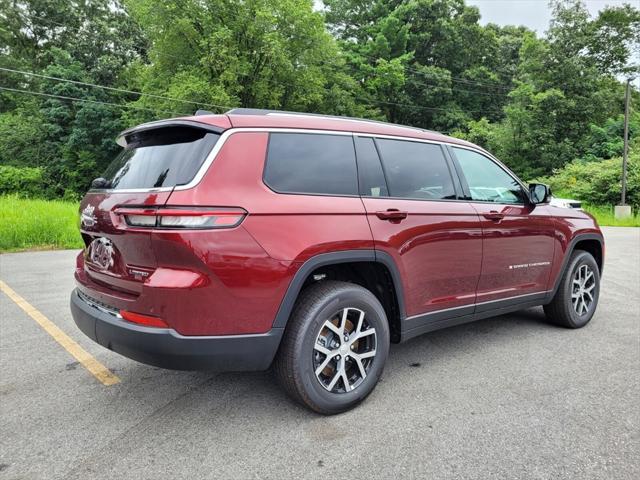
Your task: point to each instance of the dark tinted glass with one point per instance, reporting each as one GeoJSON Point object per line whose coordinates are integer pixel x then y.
{"type": "Point", "coordinates": [416, 170]}
{"type": "Point", "coordinates": [163, 157]}
{"type": "Point", "coordinates": [487, 181]}
{"type": "Point", "coordinates": [311, 163]}
{"type": "Point", "coordinates": [370, 176]}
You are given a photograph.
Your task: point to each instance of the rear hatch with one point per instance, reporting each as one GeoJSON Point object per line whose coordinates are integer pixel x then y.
{"type": "Point", "coordinates": [154, 160]}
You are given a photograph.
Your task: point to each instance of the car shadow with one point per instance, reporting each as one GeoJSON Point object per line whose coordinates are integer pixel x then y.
{"type": "Point", "coordinates": [256, 393]}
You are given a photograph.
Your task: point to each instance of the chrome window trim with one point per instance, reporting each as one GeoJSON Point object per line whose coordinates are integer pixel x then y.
{"type": "Point", "coordinates": [224, 136]}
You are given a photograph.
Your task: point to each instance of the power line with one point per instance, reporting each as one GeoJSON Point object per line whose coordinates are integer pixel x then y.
{"type": "Point", "coordinates": [369, 102]}
{"type": "Point", "coordinates": [420, 107]}
{"type": "Point", "coordinates": [86, 84]}
{"type": "Point", "coordinates": [458, 79]}
{"type": "Point", "coordinates": [443, 75]}
{"type": "Point", "coordinates": [227, 107]}
{"type": "Point", "coordinates": [452, 88]}
{"type": "Point", "coordinates": [75, 99]}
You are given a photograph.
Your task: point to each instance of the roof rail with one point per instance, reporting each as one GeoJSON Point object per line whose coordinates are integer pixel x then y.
{"type": "Point", "coordinates": [262, 111]}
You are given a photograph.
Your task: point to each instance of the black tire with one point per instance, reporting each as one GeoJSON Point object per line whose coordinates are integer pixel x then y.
{"type": "Point", "coordinates": [297, 359]}
{"type": "Point", "coordinates": [561, 309]}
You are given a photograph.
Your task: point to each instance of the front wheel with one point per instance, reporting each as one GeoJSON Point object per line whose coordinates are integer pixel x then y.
{"type": "Point", "coordinates": [335, 347]}
{"type": "Point", "coordinates": [577, 297]}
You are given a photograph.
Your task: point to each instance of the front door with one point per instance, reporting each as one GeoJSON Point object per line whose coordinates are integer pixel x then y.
{"type": "Point", "coordinates": [517, 236]}
{"type": "Point", "coordinates": [415, 217]}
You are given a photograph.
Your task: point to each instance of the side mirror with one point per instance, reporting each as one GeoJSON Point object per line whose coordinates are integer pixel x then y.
{"type": "Point", "coordinates": [539, 193]}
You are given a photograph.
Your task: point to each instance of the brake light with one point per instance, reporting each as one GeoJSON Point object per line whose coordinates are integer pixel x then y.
{"type": "Point", "coordinates": [146, 320]}
{"type": "Point", "coordinates": [182, 217]}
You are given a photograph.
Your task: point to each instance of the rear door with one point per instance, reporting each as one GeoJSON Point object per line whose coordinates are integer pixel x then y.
{"type": "Point", "coordinates": [415, 216]}
{"type": "Point", "coordinates": [118, 252]}
{"type": "Point", "coordinates": [517, 236]}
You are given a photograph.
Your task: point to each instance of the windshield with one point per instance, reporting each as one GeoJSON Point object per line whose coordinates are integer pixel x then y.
{"type": "Point", "coordinates": [163, 157]}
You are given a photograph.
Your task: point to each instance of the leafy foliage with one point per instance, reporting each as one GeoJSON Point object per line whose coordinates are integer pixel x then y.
{"type": "Point", "coordinates": [597, 182]}
{"type": "Point", "coordinates": [25, 180]}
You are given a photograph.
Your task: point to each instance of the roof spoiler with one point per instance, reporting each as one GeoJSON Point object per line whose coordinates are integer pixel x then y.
{"type": "Point", "coordinates": [122, 138]}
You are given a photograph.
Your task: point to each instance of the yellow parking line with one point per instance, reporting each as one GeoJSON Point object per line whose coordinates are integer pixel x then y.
{"type": "Point", "coordinates": [102, 373]}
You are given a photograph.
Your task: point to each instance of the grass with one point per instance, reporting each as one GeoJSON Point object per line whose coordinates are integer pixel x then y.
{"type": "Point", "coordinates": [605, 218]}
{"type": "Point", "coordinates": [29, 224]}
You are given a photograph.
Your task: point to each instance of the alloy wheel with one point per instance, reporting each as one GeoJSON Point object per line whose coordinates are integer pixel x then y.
{"type": "Point", "coordinates": [584, 282]}
{"type": "Point", "coordinates": [344, 350]}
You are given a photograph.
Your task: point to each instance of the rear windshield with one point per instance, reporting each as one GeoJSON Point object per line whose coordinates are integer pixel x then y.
{"type": "Point", "coordinates": [163, 157]}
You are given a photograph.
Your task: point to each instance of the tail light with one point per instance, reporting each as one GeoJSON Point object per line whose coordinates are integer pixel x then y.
{"type": "Point", "coordinates": [182, 217]}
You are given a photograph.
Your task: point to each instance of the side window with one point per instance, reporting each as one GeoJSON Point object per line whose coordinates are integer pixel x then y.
{"type": "Point", "coordinates": [311, 163]}
{"type": "Point", "coordinates": [487, 181]}
{"type": "Point", "coordinates": [415, 170]}
{"type": "Point", "coordinates": [370, 176]}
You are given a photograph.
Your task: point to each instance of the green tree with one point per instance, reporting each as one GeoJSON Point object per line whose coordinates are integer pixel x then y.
{"type": "Point", "coordinates": [427, 63]}
{"type": "Point", "coordinates": [73, 41]}
{"type": "Point", "coordinates": [258, 53]}
{"type": "Point", "coordinates": [565, 84]}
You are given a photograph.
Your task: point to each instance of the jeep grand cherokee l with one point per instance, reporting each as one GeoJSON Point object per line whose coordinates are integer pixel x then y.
{"type": "Point", "coordinates": [309, 243]}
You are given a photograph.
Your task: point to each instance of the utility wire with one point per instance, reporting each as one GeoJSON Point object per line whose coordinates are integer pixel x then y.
{"type": "Point", "coordinates": [86, 84]}
{"type": "Point", "coordinates": [458, 79]}
{"type": "Point", "coordinates": [75, 99]}
{"type": "Point", "coordinates": [420, 107]}
{"type": "Point", "coordinates": [452, 88]}
{"type": "Point", "coordinates": [227, 107]}
{"type": "Point", "coordinates": [369, 102]}
{"type": "Point", "coordinates": [443, 75]}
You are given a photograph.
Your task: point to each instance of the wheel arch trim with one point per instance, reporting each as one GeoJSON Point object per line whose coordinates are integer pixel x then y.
{"type": "Point", "coordinates": [570, 249]}
{"type": "Point", "coordinates": [323, 259]}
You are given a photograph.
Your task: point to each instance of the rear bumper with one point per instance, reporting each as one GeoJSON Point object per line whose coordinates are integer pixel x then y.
{"type": "Point", "coordinates": [166, 348]}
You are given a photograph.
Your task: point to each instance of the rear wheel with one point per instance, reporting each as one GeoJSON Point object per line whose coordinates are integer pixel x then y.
{"type": "Point", "coordinates": [575, 302]}
{"type": "Point", "coordinates": [335, 347]}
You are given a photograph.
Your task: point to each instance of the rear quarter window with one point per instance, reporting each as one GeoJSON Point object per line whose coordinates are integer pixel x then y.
{"type": "Point", "coordinates": [163, 157]}
{"type": "Point", "coordinates": [310, 163]}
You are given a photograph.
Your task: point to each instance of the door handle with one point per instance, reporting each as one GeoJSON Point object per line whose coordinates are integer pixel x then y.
{"type": "Point", "coordinates": [493, 215]}
{"type": "Point", "coordinates": [391, 214]}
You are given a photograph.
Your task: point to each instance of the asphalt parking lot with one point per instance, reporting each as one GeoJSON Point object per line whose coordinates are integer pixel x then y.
{"type": "Point", "coordinates": [509, 397]}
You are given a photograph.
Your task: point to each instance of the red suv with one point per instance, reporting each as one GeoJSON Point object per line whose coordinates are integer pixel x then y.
{"type": "Point", "coordinates": [309, 243]}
